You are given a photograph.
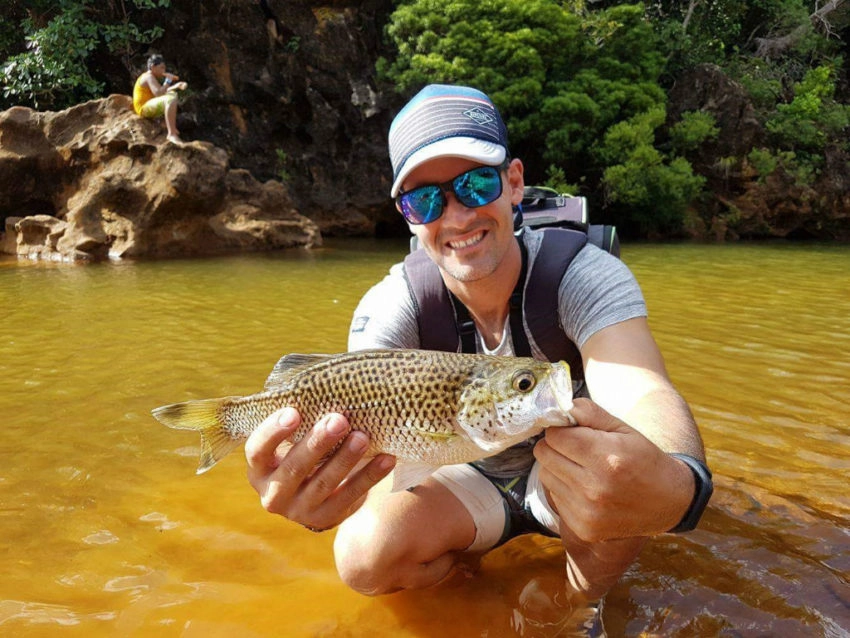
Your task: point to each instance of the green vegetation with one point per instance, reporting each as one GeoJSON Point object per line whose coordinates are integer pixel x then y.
{"type": "Point", "coordinates": [583, 86]}
{"type": "Point", "coordinates": [54, 70]}
{"type": "Point", "coordinates": [281, 163]}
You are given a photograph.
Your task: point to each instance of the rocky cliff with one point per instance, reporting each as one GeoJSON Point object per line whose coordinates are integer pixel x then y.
{"type": "Point", "coordinates": [97, 181]}
{"type": "Point", "coordinates": [287, 91]}
{"type": "Point", "coordinates": [289, 88]}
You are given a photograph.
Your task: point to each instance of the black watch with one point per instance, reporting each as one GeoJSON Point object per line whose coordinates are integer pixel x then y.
{"type": "Point", "coordinates": [702, 493]}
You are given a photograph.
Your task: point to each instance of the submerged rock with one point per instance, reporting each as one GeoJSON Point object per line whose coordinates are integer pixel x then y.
{"type": "Point", "coordinates": [96, 181]}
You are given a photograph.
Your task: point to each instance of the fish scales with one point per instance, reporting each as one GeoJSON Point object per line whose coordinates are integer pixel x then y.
{"type": "Point", "coordinates": [404, 406]}
{"type": "Point", "coordinates": [424, 407]}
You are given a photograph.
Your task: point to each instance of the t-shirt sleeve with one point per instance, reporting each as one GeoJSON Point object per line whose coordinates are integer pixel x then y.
{"type": "Point", "coordinates": [597, 291]}
{"type": "Point", "coordinates": [385, 316]}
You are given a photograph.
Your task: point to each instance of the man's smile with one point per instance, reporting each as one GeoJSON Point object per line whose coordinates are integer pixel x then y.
{"type": "Point", "coordinates": [466, 243]}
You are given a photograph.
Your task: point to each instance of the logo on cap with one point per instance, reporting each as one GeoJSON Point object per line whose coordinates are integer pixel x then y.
{"type": "Point", "coordinates": [479, 116]}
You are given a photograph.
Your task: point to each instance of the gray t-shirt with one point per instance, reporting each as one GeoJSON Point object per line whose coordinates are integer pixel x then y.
{"type": "Point", "coordinates": [597, 291]}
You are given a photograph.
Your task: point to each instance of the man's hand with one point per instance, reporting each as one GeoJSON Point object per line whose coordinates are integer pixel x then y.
{"type": "Point", "coordinates": [290, 480]}
{"type": "Point", "coordinates": [607, 481]}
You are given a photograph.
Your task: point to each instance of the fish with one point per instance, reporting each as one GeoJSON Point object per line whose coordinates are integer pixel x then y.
{"type": "Point", "coordinates": [426, 408]}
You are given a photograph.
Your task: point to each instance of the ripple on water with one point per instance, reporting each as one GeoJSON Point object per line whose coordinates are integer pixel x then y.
{"type": "Point", "coordinates": [115, 534]}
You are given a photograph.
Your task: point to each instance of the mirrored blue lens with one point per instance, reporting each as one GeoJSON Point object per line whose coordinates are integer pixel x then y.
{"type": "Point", "coordinates": [478, 187]}
{"type": "Point", "coordinates": [473, 188]}
{"type": "Point", "coordinates": [422, 205]}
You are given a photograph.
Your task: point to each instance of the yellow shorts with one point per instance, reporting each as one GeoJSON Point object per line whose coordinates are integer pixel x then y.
{"type": "Point", "coordinates": [155, 107]}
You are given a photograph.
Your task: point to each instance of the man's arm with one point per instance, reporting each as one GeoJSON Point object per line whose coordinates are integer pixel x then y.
{"type": "Point", "coordinates": [611, 479]}
{"type": "Point", "coordinates": [288, 478]}
{"type": "Point", "coordinates": [626, 375]}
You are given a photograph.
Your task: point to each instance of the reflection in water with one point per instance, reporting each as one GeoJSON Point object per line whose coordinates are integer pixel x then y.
{"type": "Point", "coordinates": [501, 600]}
{"type": "Point", "coordinates": [107, 531]}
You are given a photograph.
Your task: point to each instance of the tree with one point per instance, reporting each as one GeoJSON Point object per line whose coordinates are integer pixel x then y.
{"type": "Point", "coordinates": [654, 190]}
{"type": "Point", "coordinates": [562, 76]}
{"type": "Point", "coordinates": [59, 39]}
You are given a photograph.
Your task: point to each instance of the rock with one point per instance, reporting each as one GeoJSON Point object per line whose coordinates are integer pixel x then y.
{"type": "Point", "coordinates": [741, 203]}
{"type": "Point", "coordinates": [8, 245]}
{"type": "Point", "coordinates": [96, 181]}
{"type": "Point", "coordinates": [290, 89]}
{"type": "Point", "coordinates": [707, 88]}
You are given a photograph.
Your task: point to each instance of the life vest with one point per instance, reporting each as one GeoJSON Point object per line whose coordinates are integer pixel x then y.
{"type": "Point", "coordinates": [445, 324]}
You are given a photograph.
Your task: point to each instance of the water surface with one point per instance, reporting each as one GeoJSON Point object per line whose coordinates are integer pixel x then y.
{"type": "Point", "coordinates": [106, 530]}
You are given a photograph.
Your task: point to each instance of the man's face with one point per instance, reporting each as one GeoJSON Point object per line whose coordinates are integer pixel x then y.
{"type": "Point", "coordinates": [468, 244]}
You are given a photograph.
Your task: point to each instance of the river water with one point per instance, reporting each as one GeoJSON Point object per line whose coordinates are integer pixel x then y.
{"type": "Point", "coordinates": [106, 531]}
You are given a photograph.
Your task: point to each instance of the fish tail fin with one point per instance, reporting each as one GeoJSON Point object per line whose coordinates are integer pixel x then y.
{"type": "Point", "coordinates": [203, 416]}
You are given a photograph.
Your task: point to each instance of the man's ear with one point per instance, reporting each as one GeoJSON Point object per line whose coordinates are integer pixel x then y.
{"type": "Point", "coordinates": [516, 181]}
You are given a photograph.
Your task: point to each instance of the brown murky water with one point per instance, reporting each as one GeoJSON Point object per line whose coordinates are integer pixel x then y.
{"type": "Point", "coordinates": [106, 531]}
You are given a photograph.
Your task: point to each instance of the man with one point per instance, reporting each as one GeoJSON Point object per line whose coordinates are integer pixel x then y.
{"type": "Point", "coordinates": [603, 487]}
{"type": "Point", "coordinates": [154, 95]}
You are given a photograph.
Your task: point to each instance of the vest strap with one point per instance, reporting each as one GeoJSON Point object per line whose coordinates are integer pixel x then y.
{"type": "Point", "coordinates": [445, 323]}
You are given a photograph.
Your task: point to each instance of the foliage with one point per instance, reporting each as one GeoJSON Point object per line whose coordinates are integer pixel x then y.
{"type": "Point", "coordinates": [716, 31]}
{"type": "Point", "coordinates": [281, 163]}
{"type": "Point", "coordinates": [692, 130]}
{"type": "Point", "coordinates": [556, 180]}
{"type": "Point", "coordinates": [812, 117]}
{"type": "Point", "coordinates": [656, 190]}
{"type": "Point", "coordinates": [562, 77]}
{"type": "Point", "coordinates": [582, 86]}
{"type": "Point", "coordinates": [802, 127]}
{"type": "Point", "coordinates": [59, 39]}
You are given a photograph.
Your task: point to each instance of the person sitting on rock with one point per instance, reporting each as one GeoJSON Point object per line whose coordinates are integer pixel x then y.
{"type": "Point", "coordinates": [154, 95]}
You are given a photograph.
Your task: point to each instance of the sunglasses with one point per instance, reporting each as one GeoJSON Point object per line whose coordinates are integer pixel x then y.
{"type": "Point", "coordinates": [473, 188]}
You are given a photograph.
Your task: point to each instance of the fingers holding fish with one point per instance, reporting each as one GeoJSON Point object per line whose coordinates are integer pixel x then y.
{"type": "Point", "coordinates": [582, 444]}
{"type": "Point", "coordinates": [261, 448]}
{"type": "Point", "coordinates": [339, 487]}
{"type": "Point", "coordinates": [604, 473]}
{"type": "Point", "coordinates": [314, 482]}
{"type": "Point", "coordinates": [278, 469]}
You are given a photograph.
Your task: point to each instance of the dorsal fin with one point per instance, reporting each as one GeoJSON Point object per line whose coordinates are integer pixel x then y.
{"type": "Point", "coordinates": [290, 365]}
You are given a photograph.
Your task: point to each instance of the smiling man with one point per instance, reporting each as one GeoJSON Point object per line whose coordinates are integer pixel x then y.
{"type": "Point", "coordinates": [634, 466]}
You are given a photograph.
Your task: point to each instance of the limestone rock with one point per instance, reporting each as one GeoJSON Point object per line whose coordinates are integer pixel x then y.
{"type": "Point", "coordinates": [741, 202]}
{"type": "Point", "coordinates": [96, 181]}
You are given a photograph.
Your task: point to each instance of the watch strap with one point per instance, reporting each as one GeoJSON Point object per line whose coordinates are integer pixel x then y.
{"type": "Point", "coordinates": [704, 488]}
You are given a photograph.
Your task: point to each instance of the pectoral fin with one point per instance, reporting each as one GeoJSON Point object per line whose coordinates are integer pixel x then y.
{"type": "Point", "coordinates": [407, 475]}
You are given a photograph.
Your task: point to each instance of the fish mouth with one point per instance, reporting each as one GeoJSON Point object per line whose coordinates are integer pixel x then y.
{"type": "Point", "coordinates": [562, 387]}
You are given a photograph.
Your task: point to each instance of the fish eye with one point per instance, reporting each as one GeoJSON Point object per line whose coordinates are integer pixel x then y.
{"type": "Point", "coordinates": [523, 381]}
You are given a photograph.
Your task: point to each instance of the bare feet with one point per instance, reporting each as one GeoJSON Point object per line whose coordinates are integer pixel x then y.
{"type": "Point", "coordinates": [174, 139]}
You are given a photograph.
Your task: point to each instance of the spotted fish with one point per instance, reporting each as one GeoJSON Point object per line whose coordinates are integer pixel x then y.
{"type": "Point", "coordinates": [426, 408]}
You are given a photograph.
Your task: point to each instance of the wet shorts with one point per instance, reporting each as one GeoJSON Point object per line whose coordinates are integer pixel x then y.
{"type": "Point", "coordinates": [155, 107]}
{"type": "Point", "coordinates": [501, 508]}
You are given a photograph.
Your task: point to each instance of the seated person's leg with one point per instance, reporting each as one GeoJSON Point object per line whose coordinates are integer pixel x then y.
{"type": "Point", "coordinates": [155, 107]}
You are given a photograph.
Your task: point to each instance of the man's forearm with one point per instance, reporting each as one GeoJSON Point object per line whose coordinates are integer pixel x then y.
{"type": "Point", "coordinates": [593, 568]}
{"type": "Point", "coordinates": [664, 418]}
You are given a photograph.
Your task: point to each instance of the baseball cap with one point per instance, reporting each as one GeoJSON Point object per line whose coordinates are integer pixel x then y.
{"type": "Point", "coordinates": [446, 121]}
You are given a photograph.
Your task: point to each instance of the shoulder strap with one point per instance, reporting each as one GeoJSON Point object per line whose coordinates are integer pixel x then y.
{"type": "Point", "coordinates": [445, 324]}
{"type": "Point", "coordinates": [559, 247]}
{"type": "Point", "coordinates": [434, 311]}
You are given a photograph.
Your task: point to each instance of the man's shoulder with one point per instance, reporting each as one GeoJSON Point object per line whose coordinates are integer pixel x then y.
{"type": "Point", "coordinates": [385, 316]}
{"type": "Point", "coordinates": [392, 288]}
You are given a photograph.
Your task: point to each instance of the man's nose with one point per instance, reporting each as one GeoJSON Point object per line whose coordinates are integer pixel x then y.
{"type": "Point", "coordinates": [454, 207]}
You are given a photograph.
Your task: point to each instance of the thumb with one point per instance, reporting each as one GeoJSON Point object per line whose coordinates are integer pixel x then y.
{"type": "Point", "coordinates": [591, 415]}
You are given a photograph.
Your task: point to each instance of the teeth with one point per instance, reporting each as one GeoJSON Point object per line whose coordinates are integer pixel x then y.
{"type": "Point", "coordinates": [467, 242]}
